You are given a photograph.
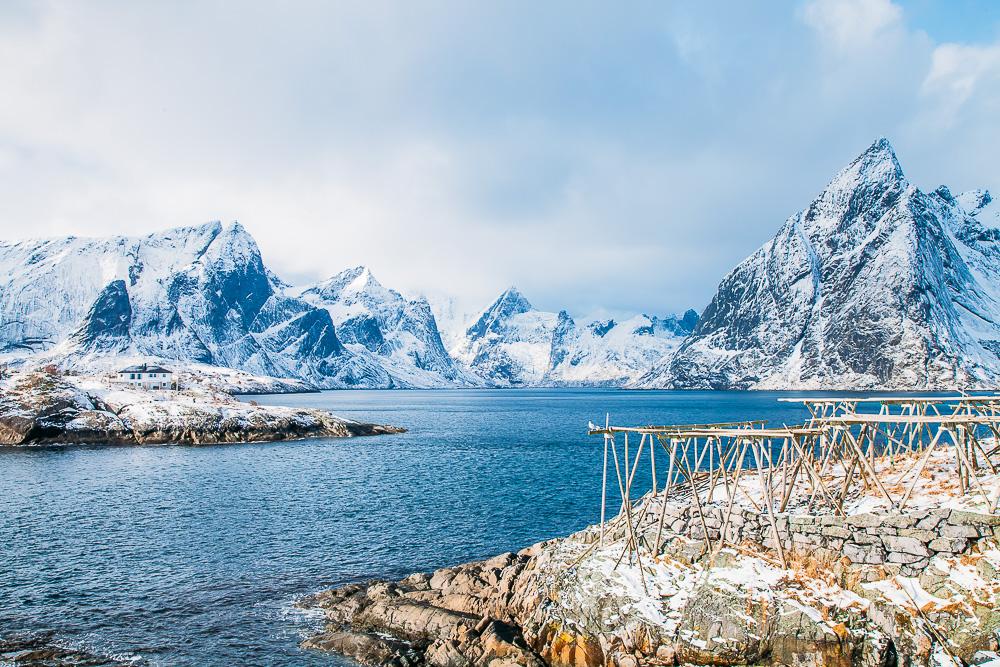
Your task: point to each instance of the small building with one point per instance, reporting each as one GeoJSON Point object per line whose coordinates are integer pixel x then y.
{"type": "Point", "coordinates": [147, 377]}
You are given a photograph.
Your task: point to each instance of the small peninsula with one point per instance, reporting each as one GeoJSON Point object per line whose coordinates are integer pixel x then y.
{"type": "Point", "coordinates": [50, 408]}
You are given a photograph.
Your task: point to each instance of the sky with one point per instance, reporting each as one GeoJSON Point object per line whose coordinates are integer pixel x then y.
{"type": "Point", "coordinates": [603, 158]}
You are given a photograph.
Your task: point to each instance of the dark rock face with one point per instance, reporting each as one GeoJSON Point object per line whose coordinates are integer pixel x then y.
{"type": "Point", "coordinates": [510, 303]}
{"type": "Point", "coordinates": [41, 650]}
{"type": "Point", "coordinates": [364, 330]}
{"type": "Point", "coordinates": [107, 325]}
{"type": "Point", "coordinates": [874, 285]}
{"type": "Point", "coordinates": [601, 328]}
{"type": "Point", "coordinates": [562, 339]}
{"type": "Point", "coordinates": [682, 326]}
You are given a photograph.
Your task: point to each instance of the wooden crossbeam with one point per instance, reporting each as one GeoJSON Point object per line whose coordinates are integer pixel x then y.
{"type": "Point", "coordinates": [833, 456]}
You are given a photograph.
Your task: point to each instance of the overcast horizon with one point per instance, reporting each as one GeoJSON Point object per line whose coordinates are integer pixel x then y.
{"type": "Point", "coordinates": [599, 161]}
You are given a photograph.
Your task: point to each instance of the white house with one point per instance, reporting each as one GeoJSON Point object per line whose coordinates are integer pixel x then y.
{"type": "Point", "coordinates": [147, 377]}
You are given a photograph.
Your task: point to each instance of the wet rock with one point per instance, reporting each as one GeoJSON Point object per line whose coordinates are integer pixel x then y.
{"type": "Point", "coordinates": [42, 650]}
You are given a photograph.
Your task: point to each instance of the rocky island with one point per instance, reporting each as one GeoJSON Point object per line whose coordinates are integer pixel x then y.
{"type": "Point", "coordinates": [39, 408]}
{"type": "Point", "coordinates": [902, 568]}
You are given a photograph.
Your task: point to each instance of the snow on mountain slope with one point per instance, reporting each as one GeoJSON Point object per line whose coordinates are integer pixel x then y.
{"type": "Point", "coordinates": [508, 343]}
{"type": "Point", "coordinates": [452, 320]}
{"type": "Point", "coordinates": [511, 344]}
{"type": "Point", "coordinates": [613, 353]}
{"type": "Point", "coordinates": [396, 333]}
{"type": "Point", "coordinates": [193, 294]}
{"type": "Point", "coordinates": [874, 285]}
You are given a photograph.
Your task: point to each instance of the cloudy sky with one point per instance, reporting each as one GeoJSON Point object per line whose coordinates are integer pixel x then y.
{"type": "Point", "coordinates": [596, 155]}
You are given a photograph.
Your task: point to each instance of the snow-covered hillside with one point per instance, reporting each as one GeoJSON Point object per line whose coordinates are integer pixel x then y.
{"type": "Point", "coordinates": [511, 343]}
{"type": "Point", "coordinates": [399, 335]}
{"type": "Point", "coordinates": [874, 285]}
{"type": "Point", "coordinates": [613, 353]}
{"type": "Point", "coordinates": [202, 300]}
{"type": "Point", "coordinates": [195, 295]}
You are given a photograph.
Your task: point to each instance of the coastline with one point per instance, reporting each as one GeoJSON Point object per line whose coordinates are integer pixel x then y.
{"type": "Point", "coordinates": [41, 409]}
{"type": "Point", "coordinates": [870, 588]}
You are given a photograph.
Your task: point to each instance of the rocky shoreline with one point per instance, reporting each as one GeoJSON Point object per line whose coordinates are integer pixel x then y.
{"type": "Point", "coordinates": [41, 650]}
{"type": "Point", "coordinates": [42, 408]}
{"type": "Point", "coordinates": [876, 588]}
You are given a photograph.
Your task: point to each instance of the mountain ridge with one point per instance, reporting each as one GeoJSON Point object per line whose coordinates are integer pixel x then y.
{"type": "Point", "coordinates": [202, 296]}
{"type": "Point", "coordinates": [875, 284]}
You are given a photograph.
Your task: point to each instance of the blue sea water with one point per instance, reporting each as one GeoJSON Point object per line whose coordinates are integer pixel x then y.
{"type": "Point", "coordinates": [195, 555]}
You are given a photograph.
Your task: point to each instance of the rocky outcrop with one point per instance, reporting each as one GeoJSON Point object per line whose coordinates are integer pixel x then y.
{"type": "Point", "coordinates": [580, 602]}
{"type": "Point", "coordinates": [457, 616]}
{"type": "Point", "coordinates": [43, 408]}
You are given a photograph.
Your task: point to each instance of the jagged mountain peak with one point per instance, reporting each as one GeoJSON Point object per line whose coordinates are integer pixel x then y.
{"type": "Point", "coordinates": [974, 201]}
{"type": "Point", "coordinates": [874, 285]}
{"type": "Point", "coordinates": [873, 175]}
{"type": "Point", "coordinates": [512, 299]}
{"type": "Point", "coordinates": [880, 152]}
{"type": "Point", "coordinates": [349, 285]}
{"type": "Point", "coordinates": [510, 303]}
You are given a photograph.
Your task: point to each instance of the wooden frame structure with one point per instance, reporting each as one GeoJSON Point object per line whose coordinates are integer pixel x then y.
{"type": "Point", "coordinates": [837, 454]}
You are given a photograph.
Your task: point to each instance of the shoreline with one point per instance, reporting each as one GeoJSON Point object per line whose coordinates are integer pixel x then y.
{"type": "Point", "coordinates": [42, 409]}
{"type": "Point", "coordinates": [873, 588]}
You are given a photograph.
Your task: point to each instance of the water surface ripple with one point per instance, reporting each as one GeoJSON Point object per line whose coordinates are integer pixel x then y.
{"type": "Point", "coordinates": [194, 555]}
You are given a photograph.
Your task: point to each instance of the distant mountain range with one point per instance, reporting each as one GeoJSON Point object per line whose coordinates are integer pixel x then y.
{"type": "Point", "coordinates": [202, 295]}
{"type": "Point", "coordinates": [875, 284]}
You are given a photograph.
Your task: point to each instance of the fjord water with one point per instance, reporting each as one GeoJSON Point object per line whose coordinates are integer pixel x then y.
{"type": "Point", "coordinates": [195, 555]}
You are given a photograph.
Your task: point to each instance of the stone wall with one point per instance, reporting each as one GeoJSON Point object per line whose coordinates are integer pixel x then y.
{"type": "Point", "coordinates": [908, 540]}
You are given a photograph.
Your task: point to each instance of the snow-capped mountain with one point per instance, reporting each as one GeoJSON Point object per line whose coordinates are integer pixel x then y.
{"type": "Point", "coordinates": [875, 284]}
{"type": "Point", "coordinates": [508, 344]}
{"type": "Point", "coordinates": [202, 297]}
{"type": "Point", "coordinates": [513, 344]}
{"type": "Point", "coordinates": [613, 353]}
{"type": "Point", "coordinates": [197, 294]}
{"type": "Point", "coordinates": [400, 335]}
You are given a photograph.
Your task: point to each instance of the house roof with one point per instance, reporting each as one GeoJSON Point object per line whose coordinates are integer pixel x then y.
{"type": "Point", "coordinates": [145, 368]}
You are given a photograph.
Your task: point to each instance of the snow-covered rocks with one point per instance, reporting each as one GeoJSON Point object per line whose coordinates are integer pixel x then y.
{"type": "Point", "coordinates": [47, 408]}
{"type": "Point", "coordinates": [575, 601]}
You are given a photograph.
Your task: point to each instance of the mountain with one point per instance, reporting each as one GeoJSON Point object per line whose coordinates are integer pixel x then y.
{"type": "Point", "coordinates": [508, 344]}
{"type": "Point", "coordinates": [512, 344]}
{"type": "Point", "coordinates": [399, 335]}
{"type": "Point", "coordinates": [874, 285]}
{"type": "Point", "coordinates": [198, 295]}
{"type": "Point", "coordinates": [606, 352]}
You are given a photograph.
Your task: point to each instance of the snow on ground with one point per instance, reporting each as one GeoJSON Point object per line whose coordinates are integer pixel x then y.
{"type": "Point", "coordinates": [937, 487]}
{"type": "Point", "coordinates": [42, 408]}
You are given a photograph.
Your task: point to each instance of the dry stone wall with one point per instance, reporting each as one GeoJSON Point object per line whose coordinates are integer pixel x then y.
{"type": "Point", "coordinates": [908, 539]}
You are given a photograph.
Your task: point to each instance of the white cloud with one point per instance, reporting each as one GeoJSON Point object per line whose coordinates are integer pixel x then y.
{"type": "Point", "coordinates": [595, 158]}
{"type": "Point", "coordinates": [958, 72]}
{"type": "Point", "coordinates": [852, 24]}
